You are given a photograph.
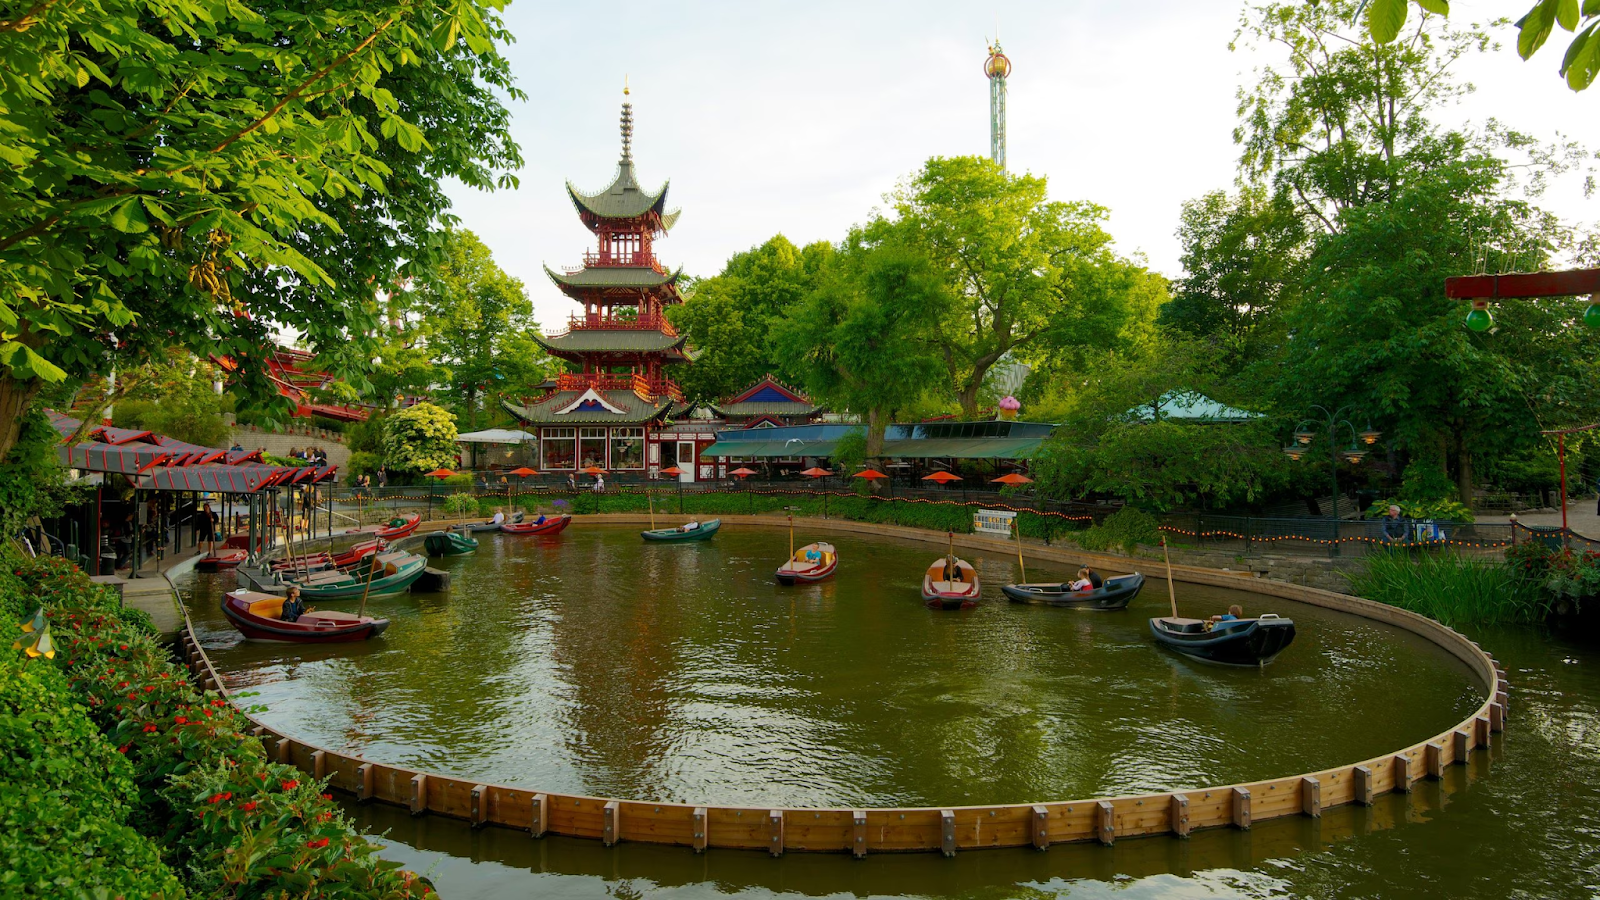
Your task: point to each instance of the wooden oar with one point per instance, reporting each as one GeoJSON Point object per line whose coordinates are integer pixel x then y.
{"type": "Point", "coordinates": [364, 591]}
{"type": "Point", "coordinates": [1171, 591]}
{"type": "Point", "coordinates": [1017, 523]}
{"type": "Point", "coordinates": [652, 500]}
{"type": "Point", "coordinates": [791, 536]}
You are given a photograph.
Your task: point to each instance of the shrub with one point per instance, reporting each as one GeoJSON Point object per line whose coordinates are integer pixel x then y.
{"type": "Point", "coordinates": [461, 505]}
{"type": "Point", "coordinates": [234, 824]}
{"type": "Point", "coordinates": [363, 463]}
{"type": "Point", "coordinates": [1124, 529]}
{"type": "Point", "coordinates": [419, 439]}
{"type": "Point", "coordinates": [1443, 510]}
{"type": "Point", "coordinates": [1452, 589]}
{"type": "Point", "coordinates": [1568, 576]}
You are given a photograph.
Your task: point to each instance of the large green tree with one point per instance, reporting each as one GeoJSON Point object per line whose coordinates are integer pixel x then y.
{"type": "Point", "coordinates": [862, 340]}
{"type": "Point", "coordinates": [729, 317]}
{"type": "Point", "coordinates": [1243, 257]}
{"type": "Point", "coordinates": [476, 323]}
{"type": "Point", "coordinates": [1026, 273]}
{"type": "Point", "coordinates": [201, 172]}
{"type": "Point", "coordinates": [1374, 330]}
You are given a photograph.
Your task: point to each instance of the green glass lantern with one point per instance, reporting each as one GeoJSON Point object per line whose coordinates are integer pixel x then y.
{"type": "Point", "coordinates": [1479, 319]}
{"type": "Point", "coordinates": [1591, 316]}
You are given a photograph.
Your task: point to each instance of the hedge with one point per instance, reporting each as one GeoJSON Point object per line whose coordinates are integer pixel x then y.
{"type": "Point", "coordinates": [231, 823]}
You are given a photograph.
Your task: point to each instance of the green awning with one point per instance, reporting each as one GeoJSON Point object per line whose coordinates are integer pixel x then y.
{"type": "Point", "coordinates": [769, 449]}
{"type": "Point", "coordinates": [929, 448]}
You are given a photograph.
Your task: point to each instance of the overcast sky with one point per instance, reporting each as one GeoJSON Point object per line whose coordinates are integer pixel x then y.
{"type": "Point", "coordinates": [797, 118]}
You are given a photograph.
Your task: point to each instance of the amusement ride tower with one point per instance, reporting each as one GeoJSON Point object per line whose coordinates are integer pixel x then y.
{"type": "Point", "coordinates": [998, 68]}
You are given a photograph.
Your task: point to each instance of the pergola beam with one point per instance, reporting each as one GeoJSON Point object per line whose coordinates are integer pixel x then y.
{"type": "Point", "coordinates": [1570, 283]}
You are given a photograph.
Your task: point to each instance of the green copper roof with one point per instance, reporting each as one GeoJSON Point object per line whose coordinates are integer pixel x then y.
{"type": "Point", "coordinates": [624, 199]}
{"type": "Point", "coordinates": [544, 411]}
{"type": "Point", "coordinates": [613, 277]}
{"type": "Point", "coordinates": [768, 408]}
{"type": "Point", "coordinates": [596, 340]}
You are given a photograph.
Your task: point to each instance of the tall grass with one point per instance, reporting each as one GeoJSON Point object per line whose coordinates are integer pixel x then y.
{"type": "Point", "coordinates": [1452, 589]}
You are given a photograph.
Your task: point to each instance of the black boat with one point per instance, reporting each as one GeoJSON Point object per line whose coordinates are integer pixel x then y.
{"type": "Point", "coordinates": [1234, 642]}
{"type": "Point", "coordinates": [1115, 593]}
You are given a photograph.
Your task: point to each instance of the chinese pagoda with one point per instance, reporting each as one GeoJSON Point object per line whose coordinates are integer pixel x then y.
{"type": "Point", "coordinates": [609, 411]}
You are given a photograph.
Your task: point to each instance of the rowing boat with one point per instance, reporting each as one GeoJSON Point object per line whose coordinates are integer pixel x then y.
{"type": "Point", "coordinates": [258, 617]}
{"type": "Point", "coordinates": [678, 535]}
{"type": "Point", "coordinates": [1115, 593]}
{"type": "Point", "coordinates": [802, 568]}
{"type": "Point", "coordinates": [951, 583]}
{"type": "Point", "coordinates": [552, 525]}
{"type": "Point", "coordinates": [1232, 642]}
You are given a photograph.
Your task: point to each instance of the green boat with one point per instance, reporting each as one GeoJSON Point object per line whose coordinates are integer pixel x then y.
{"type": "Point", "coordinates": [394, 578]}
{"type": "Point", "coordinates": [449, 543]}
{"type": "Point", "coordinates": [704, 532]}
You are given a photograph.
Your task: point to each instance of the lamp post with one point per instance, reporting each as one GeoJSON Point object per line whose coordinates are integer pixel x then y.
{"type": "Point", "coordinates": [1306, 432]}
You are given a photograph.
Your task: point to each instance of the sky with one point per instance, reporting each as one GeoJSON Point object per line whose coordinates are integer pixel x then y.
{"type": "Point", "coordinates": [797, 119]}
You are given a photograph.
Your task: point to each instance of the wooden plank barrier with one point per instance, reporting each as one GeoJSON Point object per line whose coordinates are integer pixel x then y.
{"type": "Point", "coordinates": [949, 829]}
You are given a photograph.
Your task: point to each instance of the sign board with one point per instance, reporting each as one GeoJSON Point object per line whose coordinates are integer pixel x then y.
{"type": "Point", "coordinates": [992, 521]}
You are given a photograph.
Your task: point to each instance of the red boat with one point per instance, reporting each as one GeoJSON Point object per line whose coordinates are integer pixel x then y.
{"type": "Point", "coordinates": [951, 583]}
{"type": "Point", "coordinates": [349, 557]}
{"type": "Point", "coordinates": [219, 561]}
{"type": "Point", "coordinates": [398, 527]}
{"type": "Point", "coordinates": [548, 526]}
{"type": "Point", "coordinates": [256, 615]}
{"type": "Point", "coordinates": [804, 569]}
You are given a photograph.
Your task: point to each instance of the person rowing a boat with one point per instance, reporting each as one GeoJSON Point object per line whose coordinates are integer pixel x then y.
{"type": "Point", "coordinates": [952, 571]}
{"type": "Point", "coordinates": [293, 606]}
{"type": "Point", "coordinates": [691, 525]}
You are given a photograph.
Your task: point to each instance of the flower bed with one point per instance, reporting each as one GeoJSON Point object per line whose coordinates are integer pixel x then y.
{"type": "Point", "coordinates": [233, 823]}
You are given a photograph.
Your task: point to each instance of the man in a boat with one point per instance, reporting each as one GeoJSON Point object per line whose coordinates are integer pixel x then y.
{"type": "Point", "coordinates": [293, 606]}
{"type": "Point", "coordinates": [691, 525]}
{"type": "Point", "coordinates": [499, 517]}
{"type": "Point", "coordinates": [952, 571]}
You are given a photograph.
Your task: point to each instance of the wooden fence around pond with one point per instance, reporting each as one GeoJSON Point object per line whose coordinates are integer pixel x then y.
{"type": "Point", "coordinates": [946, 829]}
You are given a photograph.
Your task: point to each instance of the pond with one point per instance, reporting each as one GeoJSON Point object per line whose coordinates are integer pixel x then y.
{"type": "Point", "coordinates": [596, 663]}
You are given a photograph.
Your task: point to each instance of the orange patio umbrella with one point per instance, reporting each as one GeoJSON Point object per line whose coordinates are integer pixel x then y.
{"type": "Point", "coordinates": [593, 470]}
{"type": "Point", "coordinates": [874, 474]}
{"type": "Point", "coordinates": [672, 470]}
{"type": "Point", "coordinates": [522, 472]}
{"type": "Point", "coordinates": [742, 472]}
{"type": "Point", "coordinates": [439, 473]}
{"type": "Point", "coordinates": [942, 477]}
{"type": "Point", "coordinates": [815, 472]}
{"type": "Point", "coordinates": [1011, 478]}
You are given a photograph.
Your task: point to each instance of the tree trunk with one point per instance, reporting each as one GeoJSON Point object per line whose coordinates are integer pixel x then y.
{"type": "Point", "coordinates": [15, 396]}
{"type": "Point", "coordinates": [1464, 472]}
{"type": "Point", "coordinates": [877, 424]}
{"type": "Point", "coordinates": [968, 396]}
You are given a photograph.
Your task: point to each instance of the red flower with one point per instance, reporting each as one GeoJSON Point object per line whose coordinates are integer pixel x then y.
{"type": "Point", "coordinates": [150, 727]}
{"type": "Point", "coordinates": [290, 785]}
{"type": "Point", "coordinates": [180, 720]}
{"type": "Point", "coordinates": [327, 796]}
{"type": "Point", "coordinates": [122, 684]}
{"type": "Point", "coordinates": [218, 798]}
{"type": "Point", "coordinates": [247, 807]}
{"type": "Point", "coordinates": [317, 844]}
{"type": "Point", "coordinates": [123, 749]}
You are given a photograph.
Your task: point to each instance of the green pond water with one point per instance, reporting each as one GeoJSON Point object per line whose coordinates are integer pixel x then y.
{"type": "Point", "coordinates": [594, 663]}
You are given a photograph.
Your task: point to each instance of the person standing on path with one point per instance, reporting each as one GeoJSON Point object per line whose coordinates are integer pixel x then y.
{"type": "Point", "coordinates": [206, 528]}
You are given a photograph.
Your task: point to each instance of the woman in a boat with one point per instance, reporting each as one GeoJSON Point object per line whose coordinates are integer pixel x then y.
{"type": "Point", "coordinates": [952, 571]}
{"type": "Point", "coordinates": [293, 606]}
{"type": "Point", "coordinates": [1088, 580]}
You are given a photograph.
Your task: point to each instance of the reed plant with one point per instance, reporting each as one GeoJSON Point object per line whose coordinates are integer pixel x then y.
{"type": "Point", "coordinates": [1452, 589]}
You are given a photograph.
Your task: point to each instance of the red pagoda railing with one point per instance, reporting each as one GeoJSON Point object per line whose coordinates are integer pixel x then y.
{"type": "Point", "coordinates": [646, 322]}
{"type": "Point", "coordinates": [636, 260]}
{"type": "Point", "coordinates": [645, 388]}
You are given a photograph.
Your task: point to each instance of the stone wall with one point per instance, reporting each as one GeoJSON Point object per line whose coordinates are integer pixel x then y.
{"type": "Point", "coordinates": [1329, 574]}
{"type": "Point", "coordinates": [279, 443]}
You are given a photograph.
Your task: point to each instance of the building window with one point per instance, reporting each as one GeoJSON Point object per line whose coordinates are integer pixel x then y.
{"type": "Point", "coordinates": [627, 448]}
{"type": "Point", "coordinates": [558, 448]}
{"type": "Point", "coordinates": [592, 447]}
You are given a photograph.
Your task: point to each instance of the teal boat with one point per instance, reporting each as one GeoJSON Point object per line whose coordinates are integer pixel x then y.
{"type": "Point", "coordinates": [449, 543]}
{"type": "Point", "coordinates": [678, 535]}
{"type": "Point", "coordinates": [394, 577]}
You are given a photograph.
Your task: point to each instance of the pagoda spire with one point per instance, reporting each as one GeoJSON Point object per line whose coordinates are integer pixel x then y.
{"type": "Point", "coordinates": [627, 125]}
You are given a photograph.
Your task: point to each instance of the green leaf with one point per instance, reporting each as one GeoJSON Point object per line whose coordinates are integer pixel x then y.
{"type": "Point", "coordinates": [81, 76]}
{"type": "Point", "coordinates": [1534, 28]}
{"type": "Point", "coordinates": [1567, 14]}
{"type": "Point", "coordinates": [129, 217]}
{"type": "Point", "coordinates": [1385, 18]}
{"type": "Point", "coordinates": [1591, 8]}
{"type": "Point", "coordinates": [1437, 7]}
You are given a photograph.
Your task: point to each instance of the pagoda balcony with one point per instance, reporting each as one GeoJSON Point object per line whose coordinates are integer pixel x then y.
{"type": "Point", "coordinates": [647, 322]}
{"type": "Point", "coordinates": [647, 389]}
{"type": "Point", "coordinates": [632, 258]}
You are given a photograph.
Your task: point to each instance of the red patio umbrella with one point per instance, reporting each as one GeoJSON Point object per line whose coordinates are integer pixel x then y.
{"type": "Point", "coordinates": [672, 470]}
{"type": "Point", "coordinates": [522, 472]}
{"type": "Point", "coordinates": [1011, 478]}
{"type": "Point", "coordinates": [439, 473]}
{"type": "Point", "coordinates": [742, 472]}
{"type": "Point", "coordinates": [815, 472]}
{"type": "Point", "coordinates": [942, 477]}
{"type": "Point", "coordinates": [593, 470]}
{"type": "Point", "coordinates": [874, 474]}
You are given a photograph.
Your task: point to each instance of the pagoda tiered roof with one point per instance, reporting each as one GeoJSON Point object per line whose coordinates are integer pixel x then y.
{"type": "Point", "coordinates": [637, 277]}
{"type": "Point", "coordinates": [598, 340]}
{"type": "Point", "coordinates": [624, 199]}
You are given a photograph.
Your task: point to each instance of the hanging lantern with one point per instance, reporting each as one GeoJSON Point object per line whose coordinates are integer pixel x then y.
{"type": "Point", "coordinates": [1304, 437]}
{"type": "Point", "coordinates": [1370, 436]}
{"type": "Point", "coordinates": [1354, 454]}
{"type": "Point", "coordinates": [1479, 319]}
{"type": "Point", "coordinates": [1591, 316]}
{"type": "Point", "coordinates": [1294, 451]}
